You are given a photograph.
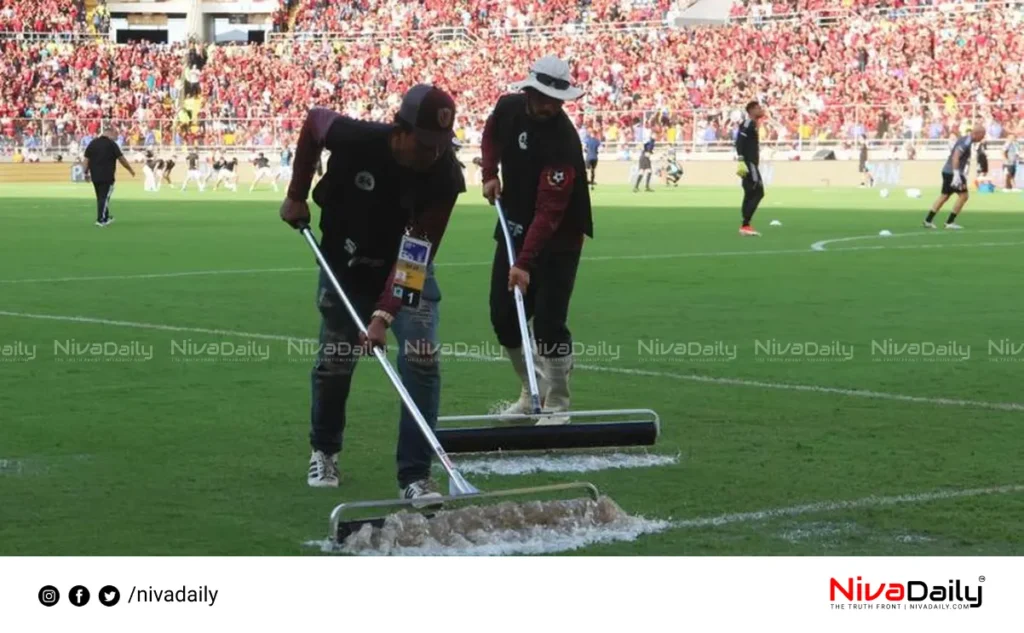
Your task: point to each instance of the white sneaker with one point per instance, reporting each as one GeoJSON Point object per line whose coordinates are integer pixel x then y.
{"type": "Point", "coordinates": [423, 494]}
{"type": "Point", "coordinates": [928, 225]}
{"type": "Point", "coordinates": [100, 224]}
{"type": "Point", "coordinates": [953, 226]}
{"type": "Point", "coordinates": [323, 470]}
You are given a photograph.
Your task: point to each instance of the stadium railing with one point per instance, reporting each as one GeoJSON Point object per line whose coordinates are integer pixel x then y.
{"type": "Point", "coordinates": [572, 28]}
{"type": "Point", "coordinates": [47, 36]}
{"type": "Point", "coordinates": [787, 129]}
{"type": "Point", "coordinates": [438, 32]}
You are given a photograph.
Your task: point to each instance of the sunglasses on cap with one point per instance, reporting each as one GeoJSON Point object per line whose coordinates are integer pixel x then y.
{"type": "Point", "coordinates": [552, 82]}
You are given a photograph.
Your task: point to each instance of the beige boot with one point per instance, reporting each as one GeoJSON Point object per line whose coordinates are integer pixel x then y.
{"type": "Point", "coordinates": [556, 396]}
{"type": "Point", "coordinates": [524, 404]}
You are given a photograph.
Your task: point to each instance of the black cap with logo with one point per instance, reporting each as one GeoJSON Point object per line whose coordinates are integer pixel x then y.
{"type": "Point", "coordinates": [431, 113]}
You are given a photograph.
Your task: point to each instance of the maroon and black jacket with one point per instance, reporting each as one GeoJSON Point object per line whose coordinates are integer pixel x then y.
{"type": "Point", "coordinates": [368, 202]}
{"type": "Point", "coordinates": [544, 189]}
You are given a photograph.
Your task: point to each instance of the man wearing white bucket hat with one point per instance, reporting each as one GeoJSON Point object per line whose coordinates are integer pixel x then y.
{"type": "Point", "coordinates": [544, 194]}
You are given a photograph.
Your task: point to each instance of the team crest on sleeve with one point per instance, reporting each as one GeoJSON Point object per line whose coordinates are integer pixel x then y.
{"type": "Point", "coordinates": [522, 140]}
{"type": "Point", "coordinates": [365, 181]}
{"type": "Point", "coordinates": [556, 178]}
{"type": "Point", "coordinates": [444, 117]}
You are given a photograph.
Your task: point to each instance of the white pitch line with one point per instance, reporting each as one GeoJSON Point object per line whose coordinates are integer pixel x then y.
{"type": "Point", "coordinates": [839, 506]}
{"type": "Point", "coordinates": [815, 248]}
{"type": "Point", "coordinates": [738, 382]}
{"type": "Point", "coordinates": [189, 273]}
{"type": "Point", "coordinates": [820, 245]}
{"type": "Point", "coordinates": [785, 386]}
{"type": "Point", "coordinates": [153, 326]}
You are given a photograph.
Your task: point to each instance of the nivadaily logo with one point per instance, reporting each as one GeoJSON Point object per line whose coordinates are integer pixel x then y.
{"type": "Point", "coordinates": [914, 594]}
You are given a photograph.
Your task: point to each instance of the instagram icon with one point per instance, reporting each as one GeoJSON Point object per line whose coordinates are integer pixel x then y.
{"type": "Point", "coordinates": [49, 596]}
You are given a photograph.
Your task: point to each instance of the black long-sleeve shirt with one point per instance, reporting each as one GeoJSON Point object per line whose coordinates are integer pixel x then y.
{"type": "Point", "coordinates": [748, 146]}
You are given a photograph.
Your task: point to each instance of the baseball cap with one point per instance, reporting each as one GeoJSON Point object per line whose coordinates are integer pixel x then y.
{"type": "Point", "coordinates": [431, 113]}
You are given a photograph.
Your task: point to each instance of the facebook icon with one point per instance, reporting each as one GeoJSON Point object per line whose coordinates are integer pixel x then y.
{"type": "Point", "coordinates": [79, 596]}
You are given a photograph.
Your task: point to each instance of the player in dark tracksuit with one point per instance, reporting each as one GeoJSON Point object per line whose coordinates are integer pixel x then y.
{"type": "Point", "coordinates": [216, 171]}
{"type": "Point", "coordinates": [168, 166]}
{"type": "Point", "coordinates": [644, 168]}
{"type": "Point", "coordinates": [748, 153]}
{"type": "Point", "coordinates": [954, 178]}
{"type": "Point", "coordinates": [231, 178]}
{"type": "Point", "coordinates": [544, 194]}
{"type": "Point", "coordinates": [384, 185]}
{"type": "Point", "coordinates": [101, 158]}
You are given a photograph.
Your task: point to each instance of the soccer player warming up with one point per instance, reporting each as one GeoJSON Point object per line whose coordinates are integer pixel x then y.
{"type": "Point", "coordinates": [954, 178]}
{"type": "Point", "coordinates": [748, 149]}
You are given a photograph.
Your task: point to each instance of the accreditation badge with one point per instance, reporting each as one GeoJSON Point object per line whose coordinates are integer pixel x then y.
{"type": "Point", "coordinates": [411, 270]}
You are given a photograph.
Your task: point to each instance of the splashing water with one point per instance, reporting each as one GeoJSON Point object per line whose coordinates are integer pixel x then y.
{"type": "Point", "coordinates": [535, 527]}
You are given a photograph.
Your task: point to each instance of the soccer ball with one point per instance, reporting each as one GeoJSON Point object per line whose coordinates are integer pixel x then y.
{"type": "Point", "coordinates": [884, 193]}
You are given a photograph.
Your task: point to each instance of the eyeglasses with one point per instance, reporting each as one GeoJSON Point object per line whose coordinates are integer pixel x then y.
{"type": "Point", "coordinates": [552, 82]}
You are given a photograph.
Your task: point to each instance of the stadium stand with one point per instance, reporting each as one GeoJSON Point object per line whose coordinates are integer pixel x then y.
{"type": "Point", "coordinates": [916, 76]}
{"type": "Point", "coordinates": [324, 16]}
{"type": "Point", "coordinates": [41, 16]}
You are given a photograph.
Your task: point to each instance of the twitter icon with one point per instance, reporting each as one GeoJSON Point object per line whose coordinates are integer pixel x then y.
{"type": "Point", "coordinates": [109, 596]}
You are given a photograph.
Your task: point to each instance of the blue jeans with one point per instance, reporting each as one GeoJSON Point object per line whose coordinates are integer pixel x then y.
{"type": "Point", "coordinates": [418, 366]}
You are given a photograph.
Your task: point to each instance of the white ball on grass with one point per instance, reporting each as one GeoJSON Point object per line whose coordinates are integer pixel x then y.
{"type": "Point", "coordinates": [885, 233]}
{"type": "Point", "coordinates": [884, 193]}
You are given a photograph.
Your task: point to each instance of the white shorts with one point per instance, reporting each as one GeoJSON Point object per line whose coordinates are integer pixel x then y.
{"type": "Point", "coordinates": [262, 172]}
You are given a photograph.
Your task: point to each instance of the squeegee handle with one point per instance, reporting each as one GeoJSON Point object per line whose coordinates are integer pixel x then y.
{"type": "Point", "coordinates": [524, 330]}
{"type": "Point", "coordinates": [382, 357]}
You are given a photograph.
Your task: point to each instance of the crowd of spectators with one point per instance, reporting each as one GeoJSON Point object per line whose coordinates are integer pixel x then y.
{"type": "Point", "coordinates": [768, 9]}
{"type": "Point", "coordinates": [370, 16]}
{"type": "Point", "coordinates": [41, 16]}
{"type": "Point", "coordinates": [871, 76]}
{"type": "Point", "coordinates": [62, 89]}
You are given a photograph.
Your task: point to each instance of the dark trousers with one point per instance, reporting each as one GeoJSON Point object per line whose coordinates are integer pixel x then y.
{"type": "Point", "coordinates": [547, 301]}
{"type": "Point", "coordinates": [418, 366]}
{"type": "Point", "coordinates": [104, 190]}
{"type": "Point", "coordinates": [753, 193]}
{"type": "Point", "coordinates": [336, 361]}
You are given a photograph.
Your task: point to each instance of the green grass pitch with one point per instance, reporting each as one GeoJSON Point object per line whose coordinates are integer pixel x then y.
{"type": "Point", "coordinates": [164, 456]}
